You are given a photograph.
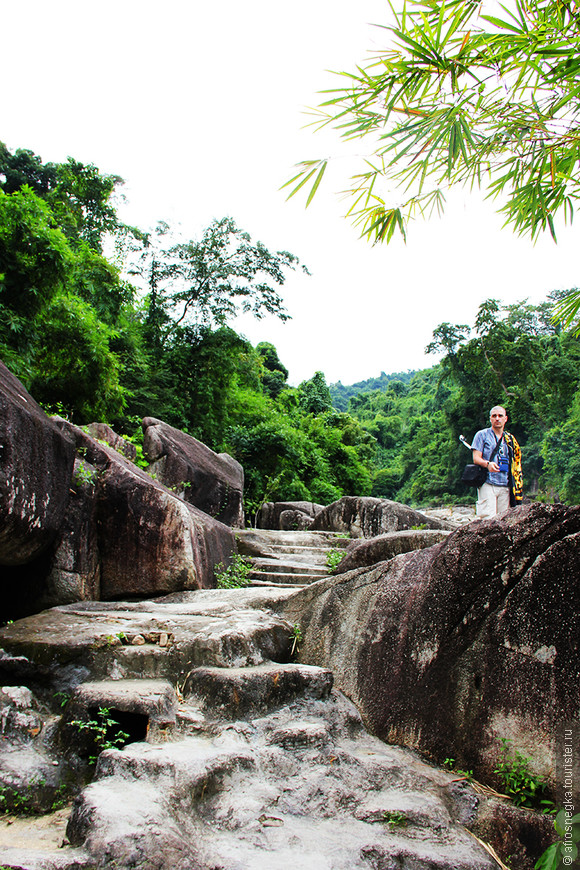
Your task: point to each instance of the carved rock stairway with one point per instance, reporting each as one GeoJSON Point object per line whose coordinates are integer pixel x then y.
{"type": "Point", "coordinates": [239, 760]}
{"type": "Point", "coordinates": [287, 558]}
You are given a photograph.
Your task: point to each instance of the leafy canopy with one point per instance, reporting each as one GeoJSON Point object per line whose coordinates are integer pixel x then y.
{"type": "Point", "coordinates": [463, 97]}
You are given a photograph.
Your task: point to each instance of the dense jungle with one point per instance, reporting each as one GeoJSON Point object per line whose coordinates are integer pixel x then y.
{"type": "Point", "coordinates": [104, 321]}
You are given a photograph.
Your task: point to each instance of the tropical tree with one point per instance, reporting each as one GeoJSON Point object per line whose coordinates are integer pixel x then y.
{"type": "Point", "coordinates": [210, 281]}
{"type": "Point", "coordinates": [464, 96]}
{"type": "Point", "coordinates": [81, 197]}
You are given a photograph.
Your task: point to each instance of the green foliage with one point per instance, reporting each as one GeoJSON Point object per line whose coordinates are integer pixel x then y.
{"type": "Point", "coordinates": [84, 475]}
{"type": "Point", "coordinates": [463, 94]}
{"type": "Point", "coordinates": [564, 852]}
{"type": "Point", "coordinates": [519, 783]}
{"type": "Point", "coordinates": [314, 395]}
{"type": "Point", "coordinates": [28, 804]}
{"type": "Point", "coordinates": [74, 362]}
{"type": "Point", "coordinates": [395, 819]}
{"type": "Point", "coordinates": [333, 560]}
{"type": "Point", "coordinates": [459, 97]}
{"type": "Point", "coordinates": [103, 731]}
{"type": "Point", "coordinates": [235, 575]}
{"type": "Point", "coordinates": [341, 393]}
{"type": "Point", "coordinates": [296, 636]}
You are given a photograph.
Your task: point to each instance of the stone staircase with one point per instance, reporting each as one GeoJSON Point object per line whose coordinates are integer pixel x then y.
{"type": "Point", "coordinates": [237, 758]}
{"type": "Point", "coordinates": [287, 558]}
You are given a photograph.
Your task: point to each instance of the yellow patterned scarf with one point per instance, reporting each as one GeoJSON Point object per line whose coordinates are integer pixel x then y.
{"type": "Point", "coordinates": [516, 482]}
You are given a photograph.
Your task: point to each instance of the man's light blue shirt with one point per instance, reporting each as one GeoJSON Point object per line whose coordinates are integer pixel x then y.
{"type": "Point", "coordinates": [485, 441]}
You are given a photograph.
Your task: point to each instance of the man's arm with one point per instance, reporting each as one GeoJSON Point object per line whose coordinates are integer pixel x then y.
{"type": "Point", "coordinates": [479, 460]}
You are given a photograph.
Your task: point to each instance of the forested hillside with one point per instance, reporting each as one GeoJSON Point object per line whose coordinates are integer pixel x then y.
{"type": "Point", "coordinates": [341, 394]}
{"type": "Point", "coordinates": [144, 331]}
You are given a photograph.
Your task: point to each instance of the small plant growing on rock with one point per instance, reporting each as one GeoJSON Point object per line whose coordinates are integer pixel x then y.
{"type": "Point", "coordinates": [521, 785]}
{"type": "Point", "coordinates": [333, 560]}
{"type": "Point", "coordinates": [296, 638]}
{"type": "Point", "coordinates": [61, 699]}
{"type": "Point", "coordinates": [84, 475]}
{"type": "Point", "coordinates": [104, 731]}
{"type": "Point", "coordinates": [395, 819]}
{"type": "Point", "coordinates": [237, 573]}
{"type": "Point", "coordinates": [467, 775]}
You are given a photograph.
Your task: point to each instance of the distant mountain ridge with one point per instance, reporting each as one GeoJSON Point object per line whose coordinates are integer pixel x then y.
{"type": "Point", "coordinates": [341, 393]}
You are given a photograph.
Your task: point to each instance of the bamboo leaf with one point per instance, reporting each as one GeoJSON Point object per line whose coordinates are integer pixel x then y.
{"type": "Point", "coordinates": [317, 181]}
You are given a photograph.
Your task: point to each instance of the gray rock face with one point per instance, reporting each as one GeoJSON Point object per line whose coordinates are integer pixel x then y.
{"type": "Point", "coordinates": [162, 639]}
{"type": "Point", "coordinates": [295, 520]}
{"type": "Point", "coordinates": [149, 542]}
{"type": "Point", "coordinates": [212, 482]}
{"type": "Point", "coordinates": [369, 517]}
{"type": "Point", "coordinates": [300, 784]}
{"type": "Point", "coordinates": [75, 568]}
{"type": "Point", "coordinates": [102, 432]}
{"type": "Point", "coordinates": [288, 515]}
{"type": "Point", "coordinates": [372, 550]}
{"type": "Point", "coordinates": [452, 648]}
{"type": "Point", "coordinates": [36, 463]}
{"type": "Point", "coordinates": [233, 761]}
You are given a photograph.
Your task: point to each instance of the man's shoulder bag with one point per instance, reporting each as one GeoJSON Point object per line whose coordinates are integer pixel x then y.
{"type": "Point", "coordinates": [476, 475]}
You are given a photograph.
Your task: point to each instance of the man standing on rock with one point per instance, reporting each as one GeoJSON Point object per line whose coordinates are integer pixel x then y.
{"type": "Point", "coordinates": [498, 452]}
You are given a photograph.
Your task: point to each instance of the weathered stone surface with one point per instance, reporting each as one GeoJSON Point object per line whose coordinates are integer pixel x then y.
{"type": "Point", "coordinates": [75, 570]}
{"type": "Point", "coordinates": [369, 517]}
{"type": "Point", "coordinates": [36, 463]}
{"type": "Point", "coordinates": [154, 699]}
{"type": "Point", "coordinates": [304, 784]}
{"type": "Point", "coordinates": [295, 520]}
{"type": "Point", "coordinates": [102, 432]}
{"type": "Point", "coordinates": [237, 692]}
{"type": "Point", "coordinates": [30, 772]}
{"type": "Point", "coordinates": [149, 541]}
{"type": "Point", "coordinates": [361, 553]}
{"type": "Point", "coordinates": [452, 648]}
{"type": "Point", "coordinates": [288, 558]}
{"type": "Point", "coordinates": [59, 649]}
{"type": "Point", "coordinates": [20, 720]}
{"type": "Point", "coordinates": [212, 482]}
{"type": "Point", "coordinates": [301, 784]}
{"type": "Point", "coordinates": [269, 515]}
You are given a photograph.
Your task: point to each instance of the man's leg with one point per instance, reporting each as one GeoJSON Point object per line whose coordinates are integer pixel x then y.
{"type": "Point", "coordinates": [486, 502]}
{"type": "Point", "coordinates": [503, 498]}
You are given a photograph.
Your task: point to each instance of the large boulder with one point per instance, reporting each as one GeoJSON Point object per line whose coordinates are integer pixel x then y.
{"type": "Point", "coordinates": [36, 464]}
{"type": "Point", "coordinates": [149, 541]}
{"type": "Point", "coordinates": [287, 515]}
{"type": "Point", "coordinates": [363, 517]}
{"type": "Point", "coordinates": [361, 553]}
{"type": "Point", "coordinates": [453, 648]}
{"type": "Point", "coordinates": [213, 482]}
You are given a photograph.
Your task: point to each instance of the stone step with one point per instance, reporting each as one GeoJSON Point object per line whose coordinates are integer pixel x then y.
{"type": "Point", "coordinates": [281, 578]}
{"type": "Point", "coordinates": [306, 553]}
{"type": "Point", "coordinates": [237, 692]}
{"type": "Point", "coordinates": [251, 539]}
{"type": "Point", "coordinates": [288, 567]}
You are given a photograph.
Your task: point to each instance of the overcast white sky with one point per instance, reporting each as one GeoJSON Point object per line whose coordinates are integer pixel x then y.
{"type": "Point", "coordinates": [198, 106]}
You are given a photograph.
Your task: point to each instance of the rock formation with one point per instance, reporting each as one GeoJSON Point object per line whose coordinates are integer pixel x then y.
{"type": "Point", "coordinates": [452, 648]}
{"type": "Point", "coordinates": [212, 482]}
{"type": "Point", "coordinates": [80, 521]}
{"type": "Point", "coordinates": [369, 551]}
{"type": "Point", "coordinates": [287, 515]}
{"type": "Point", "coordinates": [232, 757]}
{"type": "Point", "coordinates": [36, 463]}
{"type": "Point", "coordinates": [369, 517]}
